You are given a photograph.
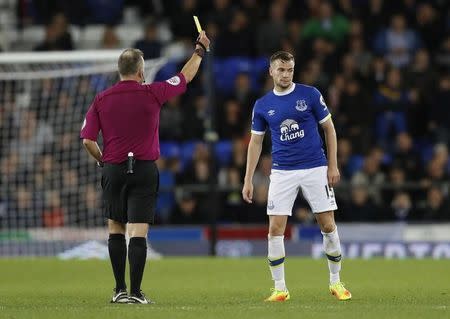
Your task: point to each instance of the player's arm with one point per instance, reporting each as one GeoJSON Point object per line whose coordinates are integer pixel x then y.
{"type": "Point", "coordinates": [331, 144]}
{"type": "Point", "coordinates": [253, 153]}
{"type": "Point", "coordinates": [93, 149]}
{"type": "Point", "coordinates": [190, 69]}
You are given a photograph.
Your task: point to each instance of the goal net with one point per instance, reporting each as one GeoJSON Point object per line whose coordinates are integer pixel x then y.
{"type": "Point", "coordinates": [49, 189]}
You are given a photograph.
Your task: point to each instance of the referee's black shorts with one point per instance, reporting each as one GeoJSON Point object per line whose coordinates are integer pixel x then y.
{"type": "Point", "coordinates": [130, 198]}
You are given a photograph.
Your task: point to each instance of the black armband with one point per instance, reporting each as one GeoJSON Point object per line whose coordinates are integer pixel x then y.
{"type": "Point", "coordinates": [200, 52]}
{"type": "Point", "coordinates": [202, 45]}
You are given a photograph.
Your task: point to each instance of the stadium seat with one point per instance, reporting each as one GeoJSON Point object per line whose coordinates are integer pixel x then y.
{"type": "Point", "coordinates": [223, 151]}
{"type": "Point", "coordinates": [128, 35]}
{"type": "Point", "coordinates": [33, 35]}
{"type": "Point", "coordinates": [91, 37]}
{"type": "Point", "coordinates": [355, 163]}
{"type": "Point", "coordinates": [187, 150]}
{"type": "Point", "coordinates": [169, 149]}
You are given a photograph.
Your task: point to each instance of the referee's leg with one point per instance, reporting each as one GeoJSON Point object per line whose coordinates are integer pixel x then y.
{"type": "Point", "coordinates": [137, 255]}
{"type": "Point", "coordinates": [117, 248]}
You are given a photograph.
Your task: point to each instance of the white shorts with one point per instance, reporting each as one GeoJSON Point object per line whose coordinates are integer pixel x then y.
{"type": "Point", "coordinates": [313, 182]}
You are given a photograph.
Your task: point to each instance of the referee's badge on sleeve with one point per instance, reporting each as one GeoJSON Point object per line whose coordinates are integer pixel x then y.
{"type": "Point", "coordinates": [175, 80]}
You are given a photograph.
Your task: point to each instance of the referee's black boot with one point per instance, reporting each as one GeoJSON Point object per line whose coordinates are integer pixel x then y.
{"type": "Point", "coordinates": [120, 296]}
{"type": "Point", "coordinates": [139, 299]}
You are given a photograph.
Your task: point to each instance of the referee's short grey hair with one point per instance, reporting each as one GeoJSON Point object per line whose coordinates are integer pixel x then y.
{"type": "Point", "coordinates": [130, 62]}
{"type": "Point", "coordinates": [281, 55]}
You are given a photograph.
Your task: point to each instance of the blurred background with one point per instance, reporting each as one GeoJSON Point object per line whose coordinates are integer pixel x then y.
{"type": "Point", "coordinates": [382, 66]}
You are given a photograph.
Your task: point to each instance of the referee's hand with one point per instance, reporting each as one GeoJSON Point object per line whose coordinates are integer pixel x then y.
{"type": "Point", "coordinates": [247, 192]}
{"type": "Point", "coordinates": [203, 39]}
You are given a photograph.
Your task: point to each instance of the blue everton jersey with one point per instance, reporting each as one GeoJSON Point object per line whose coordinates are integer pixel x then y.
{"type": "Point", "coordinates": [292, 118]}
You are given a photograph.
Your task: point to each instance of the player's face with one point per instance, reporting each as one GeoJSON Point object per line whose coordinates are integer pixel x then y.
{"type": "Point", "coordinates": [282, 73]}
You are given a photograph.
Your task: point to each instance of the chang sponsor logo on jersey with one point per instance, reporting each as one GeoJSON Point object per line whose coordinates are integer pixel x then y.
{"type": "Point", "coordinates": [290, 130]}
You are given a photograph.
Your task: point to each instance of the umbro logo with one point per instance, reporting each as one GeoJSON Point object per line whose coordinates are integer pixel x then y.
{"type": "Point", "coordinates": [271, 112]}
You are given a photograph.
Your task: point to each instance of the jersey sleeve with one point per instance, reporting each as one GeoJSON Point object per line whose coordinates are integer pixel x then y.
{"type": "Point", "coordinates": [319, 107]}
{"type": "Point", "coordinates": [168, 89]}
{"type": "Point", "coordinates": [259, 124]}
{"type": "Point", "coordinates": [91, 123]}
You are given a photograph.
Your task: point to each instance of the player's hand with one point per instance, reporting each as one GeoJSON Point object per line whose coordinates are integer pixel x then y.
{"type": "Point", "coordinates": [203, 39]}
{"type": "Point", "coordinates": [247, 192]}
{"type": "Point", "coordinates": [333, 176]}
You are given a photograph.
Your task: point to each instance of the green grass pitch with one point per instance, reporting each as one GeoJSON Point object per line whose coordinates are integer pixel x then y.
{"type": "Point", "coordinates": [225, 288]}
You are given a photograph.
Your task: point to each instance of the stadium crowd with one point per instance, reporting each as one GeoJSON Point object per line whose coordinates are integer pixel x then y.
{"type": "Point", "coordinates": [382, 66]}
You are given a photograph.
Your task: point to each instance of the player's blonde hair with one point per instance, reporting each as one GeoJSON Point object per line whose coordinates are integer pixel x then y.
{"type": "Point", "coordinates": [281, 55]}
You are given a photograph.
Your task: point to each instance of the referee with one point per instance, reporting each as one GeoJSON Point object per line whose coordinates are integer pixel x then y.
{"type": "Point", "coordinates": [127, 114]}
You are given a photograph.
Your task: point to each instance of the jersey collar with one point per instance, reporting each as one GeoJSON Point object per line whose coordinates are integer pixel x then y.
{"type": "Point", "coordinates": [290, 90]}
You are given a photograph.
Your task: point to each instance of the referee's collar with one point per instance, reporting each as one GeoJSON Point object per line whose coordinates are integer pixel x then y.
{"type": "Point", "coordinates": [128, 81]}
{"type": "Point", "coordinates": [290, 90]}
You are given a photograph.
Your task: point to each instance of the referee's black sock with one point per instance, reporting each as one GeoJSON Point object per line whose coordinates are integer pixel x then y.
{"type": "Point", "coordinates": [117, 247]}
{"type": "Point", "coordinates": [137, 255]}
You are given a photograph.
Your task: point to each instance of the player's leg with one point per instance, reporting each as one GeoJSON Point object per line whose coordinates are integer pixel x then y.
{"type": "Point", "coordinates": [113, 191]}
{"type": "Point", "coordinates": [331, 244]}
{"type": "Point", "coordinates": [276, 253]}
{"type": "Point", "coordinates": [142, 192]}
{"type": "Point", "coordinates": [281, 197]}
{"type": "Point", "coordinates": [320, 196]}
{"type": "Point", "coordinates": [332, 249]}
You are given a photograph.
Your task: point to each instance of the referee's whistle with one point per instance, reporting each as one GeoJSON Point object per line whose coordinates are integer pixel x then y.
{"type": "Point", "coordinates": [130, 163]}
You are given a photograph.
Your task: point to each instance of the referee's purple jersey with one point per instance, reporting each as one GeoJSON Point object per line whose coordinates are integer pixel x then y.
{"type": "Point", "coordinates": [127, 114]}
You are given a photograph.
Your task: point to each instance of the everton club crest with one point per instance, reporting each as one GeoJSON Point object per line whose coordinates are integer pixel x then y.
{"type": "Point", "coordinates": [301, 105]}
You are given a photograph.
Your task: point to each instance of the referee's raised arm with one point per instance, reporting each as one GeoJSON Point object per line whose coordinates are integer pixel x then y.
{"type": "Point", "coordinates": [191, 67]}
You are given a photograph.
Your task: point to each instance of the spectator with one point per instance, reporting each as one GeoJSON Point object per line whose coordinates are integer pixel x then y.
{"type": "Point", "coordinates": [429, 25]}
{"type": "Point", "coordinates": [230, 177]}
{"type": "Point", "coordinates": [271, 33]}
{"type": "Point", "coordinates": [406, 157]}
{"type": "Point", "coordinates": [401, 206]}
{"type": "Point", "coordinates": [436, 208]}
{"type": "Point", "coordinates": [356, 115]}
{"type": "Point", "coordinates": [187, 211]}
{"type": "Point", "coordinates": [221, 12]}
{"type": "Point", "coordinates": [329, 25]}
{"type": "Point", "coordinates": [370, 175]}
{"type": "Point", "coordinates": [397, 43]}
{"type": "Point", "coordinates": [105, 12]}
{"type": "Point", "coordinates": [361, 56]}
{"type": "Point", "coordinates": [230, 121]}
{"type": "Point", "coordinates": [237, 38]}
{"type": "Point", "coordinates": [243, 93]}
{"type": "Point", "coordinates": [110, 39]}
{"type": "Point", "coordinates": [303, 215]}
{"type": "Point", "coordinates": [150, 44]}
{"type": "Point", "coordinates": [439, 115]}
{"type": "Point", "coordinates": [391, 102]}
{"type": "Point", "coordinates": [181, 26]}
{"type": "Point", "coordinates": [171, 121]}
{"type": "Point", "coordinates": [53, 215]}
{"type": "Point", "coordinates": [57, 35]}
{"type": "Point", "coordinates": [360, 207]}
{"type": "Point", "coordinates": [195, 115]}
